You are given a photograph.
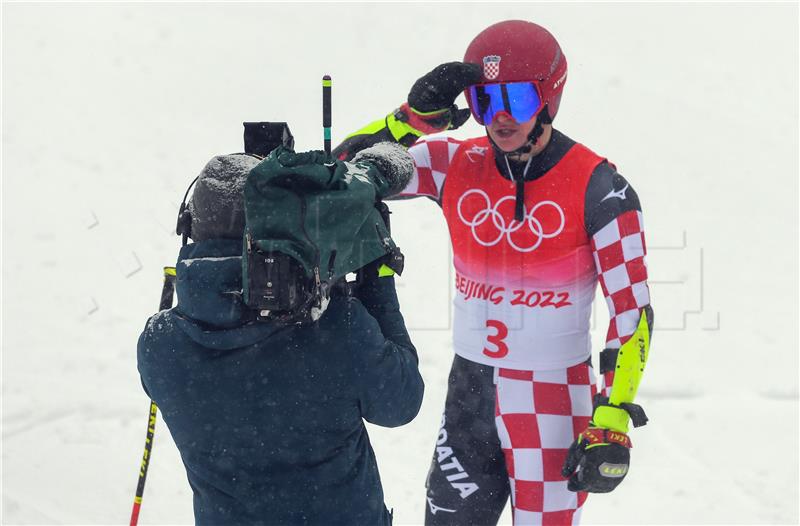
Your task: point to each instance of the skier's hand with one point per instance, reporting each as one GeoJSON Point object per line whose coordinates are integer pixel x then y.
{"type": "Point", "coordinates": [598, 460]}
{"type": "Point", "coordinates": [431, 102]}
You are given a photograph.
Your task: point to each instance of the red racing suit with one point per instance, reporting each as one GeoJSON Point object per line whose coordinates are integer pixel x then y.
{"type": "Point", "coordinates": [525, 288]}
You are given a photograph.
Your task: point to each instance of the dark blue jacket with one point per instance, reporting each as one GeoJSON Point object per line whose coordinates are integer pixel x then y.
{"type": "Point", "coordinates": [269, 419]}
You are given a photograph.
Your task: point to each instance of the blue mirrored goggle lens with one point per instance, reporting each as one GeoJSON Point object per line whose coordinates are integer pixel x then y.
{"type": "Point", "coordinates": [518, 99]}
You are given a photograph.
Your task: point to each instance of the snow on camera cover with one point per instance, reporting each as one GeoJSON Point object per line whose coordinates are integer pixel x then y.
{"type": "Point", "coordinates": [322, 212]}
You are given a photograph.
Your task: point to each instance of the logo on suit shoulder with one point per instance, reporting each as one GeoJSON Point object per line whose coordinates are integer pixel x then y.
{"type": "Point", "coordinates": [475, 150]}
{"type": "Point", "coordinates": [619, 194]}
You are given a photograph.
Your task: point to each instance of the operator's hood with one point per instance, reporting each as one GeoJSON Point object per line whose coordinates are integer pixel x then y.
{"type": "Point", "coordinates": [210, 308]}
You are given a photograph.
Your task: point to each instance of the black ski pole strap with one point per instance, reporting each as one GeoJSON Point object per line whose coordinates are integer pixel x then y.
{"type": "Point", "coordinates": [635, 411]}
{"type": "Point", "coordinates": [638, 417]}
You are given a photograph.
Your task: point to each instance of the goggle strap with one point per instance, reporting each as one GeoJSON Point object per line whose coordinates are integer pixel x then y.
{"type": "Point", "coordinates": [479, 94]}
{"type": "Point", "coordinates": [506, 101]}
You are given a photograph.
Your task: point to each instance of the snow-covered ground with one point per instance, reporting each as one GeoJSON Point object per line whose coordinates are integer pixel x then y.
{"type": "Point", "coordinates": [109, 110]}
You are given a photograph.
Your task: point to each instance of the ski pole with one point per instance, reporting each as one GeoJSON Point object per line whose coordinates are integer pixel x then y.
{"type": "Point", "coordinates": [167, 292]}
{"type": "Point", "coordinates": [326, 112]}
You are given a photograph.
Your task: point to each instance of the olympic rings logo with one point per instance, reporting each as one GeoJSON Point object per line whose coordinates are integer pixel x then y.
{"type": "Point", "coordinates": [499, 222]}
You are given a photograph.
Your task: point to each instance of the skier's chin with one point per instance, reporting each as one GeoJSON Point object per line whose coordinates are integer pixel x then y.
{"type": "Point", "coordinates": [509, 144]}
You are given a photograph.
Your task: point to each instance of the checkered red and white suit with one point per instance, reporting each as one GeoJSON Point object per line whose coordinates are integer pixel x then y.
{"type": "Point", "coordinates": [505, 268]}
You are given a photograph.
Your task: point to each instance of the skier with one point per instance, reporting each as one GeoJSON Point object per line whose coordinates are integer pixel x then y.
{"type": "Point", "coordinates": [268, 417]}
{"type": "Point", "coordinates": [536, 219]}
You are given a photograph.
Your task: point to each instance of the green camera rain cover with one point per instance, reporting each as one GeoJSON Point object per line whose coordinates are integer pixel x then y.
{"type": "Point", "coordinates": [317, 210]}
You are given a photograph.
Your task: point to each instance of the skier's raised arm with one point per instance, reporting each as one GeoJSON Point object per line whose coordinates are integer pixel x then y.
{"type": "Point", "coordinates": [430, 109]}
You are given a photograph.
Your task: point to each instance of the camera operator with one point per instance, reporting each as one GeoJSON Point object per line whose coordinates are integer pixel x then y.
{"type": "Point", "coordinates": [269, 417]}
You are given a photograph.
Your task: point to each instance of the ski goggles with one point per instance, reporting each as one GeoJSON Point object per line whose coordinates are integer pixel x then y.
{"type": "Point", "coordinates": [521, 100]}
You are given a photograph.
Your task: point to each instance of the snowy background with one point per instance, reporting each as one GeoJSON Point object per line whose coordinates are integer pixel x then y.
{"type": "Point", "coordinates": [109, 111]}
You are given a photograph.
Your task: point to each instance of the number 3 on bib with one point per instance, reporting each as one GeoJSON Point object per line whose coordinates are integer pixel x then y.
{"type": "Point", "coordinates": [496, 340]}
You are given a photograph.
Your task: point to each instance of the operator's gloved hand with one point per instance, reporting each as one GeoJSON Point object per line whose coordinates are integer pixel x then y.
{"type": "Point", "coordinates": [383, 267]}
{"type": "Point", "coordinates": [375, 288]}
{"type": "Point", "coordinates": [431, 104]}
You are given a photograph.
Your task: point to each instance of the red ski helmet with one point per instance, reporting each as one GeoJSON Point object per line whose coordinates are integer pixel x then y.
{"type": "Point", "coordinates": [521, 51]}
